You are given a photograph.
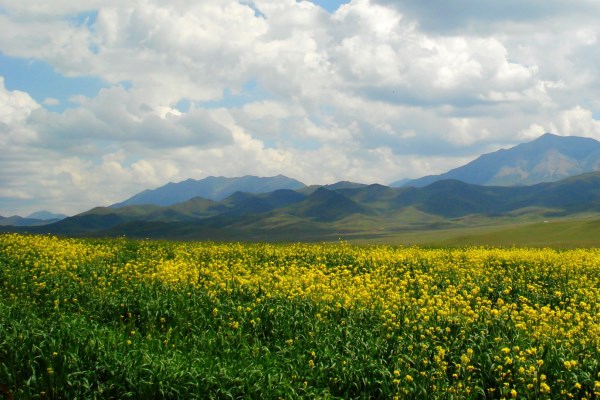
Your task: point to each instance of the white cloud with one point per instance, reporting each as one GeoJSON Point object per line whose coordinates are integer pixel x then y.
{"type": "Point", "coordinates": [15, 108]}
{"type": "Point", "coordinates": [15, 194]}
{"type": "Point", "coordinates": [376, 91]}
{"type": "Point", "coordinates": [577, 121]}
{"type": "Point", "coordinates": [26, 9]}
{"type": "Point", "coordinates": [15, 105]}
{"type": "Point", "coordinates": [50, 101]}
{"type": "Point", "coordinates": [489, 17]}
{"type": "Point", "coordinates": [409, 67]}
{"type": "Point", "coordinates": [124, 118]}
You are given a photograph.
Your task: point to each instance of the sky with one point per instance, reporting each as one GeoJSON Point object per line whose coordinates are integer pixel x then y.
{"type": "Point", "coordinates": [101, 99]}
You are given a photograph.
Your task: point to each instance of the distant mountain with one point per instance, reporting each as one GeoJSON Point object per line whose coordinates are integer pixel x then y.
{"type": "Point", "coordinates": [344, 185]}
{"type": "Point", "coordinates": [548, 158]}
{"type": "Point", "coordinates": [294, 215]}
{"type": "Point", "coordinates": [16, 220]}
{"type": "Point", "coordinates": [35, 219]}
{"type": "Point", "coordinates": [46, 215]}
{"type": "Point", "coordinates": [212, 188]}
{"type": "Point", "coordinates": [400, 183]}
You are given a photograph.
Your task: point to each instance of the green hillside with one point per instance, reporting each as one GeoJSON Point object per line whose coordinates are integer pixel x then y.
{"type": "Point", "coordinates": [573, 232]}
{"type": "Point", "coordinates": [445, 212]}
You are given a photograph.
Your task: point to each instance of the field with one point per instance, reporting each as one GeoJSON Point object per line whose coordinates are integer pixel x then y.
{"type": "Point", "coordinates": [117, 318]}
{"type": "Point", "coordinates": [563, 233]}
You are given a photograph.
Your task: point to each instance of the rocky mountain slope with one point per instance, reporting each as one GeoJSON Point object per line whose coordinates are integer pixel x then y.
{"type": "Point", "coordinates": [546, 159]}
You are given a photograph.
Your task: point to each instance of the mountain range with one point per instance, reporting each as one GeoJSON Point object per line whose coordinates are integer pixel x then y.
{"type": "Point", "coordinates": [212, 188]}
{"type": "Point", "coordinates": [279, 208]}
{"type": "Point", "coordinates": [546, 159]}
{"type": "Point", "coordinates": [34, 219]}
{"type": "Point", "coordinates": [319, 213]}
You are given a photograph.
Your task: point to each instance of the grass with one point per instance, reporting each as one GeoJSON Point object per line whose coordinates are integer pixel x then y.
{"type": "Point", "coordinates": [529, 227]}
{"type": "Point", "coordinates": [529, 231]}
{"type": "Point", "coordinates": [148, 319]}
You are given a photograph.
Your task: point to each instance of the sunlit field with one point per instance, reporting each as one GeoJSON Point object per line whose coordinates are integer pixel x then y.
{"type": "Point", "coordinates": [82, 318]}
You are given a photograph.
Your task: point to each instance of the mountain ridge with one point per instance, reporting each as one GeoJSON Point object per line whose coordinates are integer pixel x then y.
{"type": "Point", "coordinates": [211, 188]}
{"type": "Point", "coordinates": [275, 206]}
{"type": "Point", "coordinates": [326, 212]}
{"type": "Point", "coordinates": [17, 220]}
{"type": "Point", "coordinates": [546, 159]}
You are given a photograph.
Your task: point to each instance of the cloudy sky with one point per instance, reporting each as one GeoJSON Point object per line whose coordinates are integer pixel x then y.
{"type": "Point", "coordinates": [100, 99]}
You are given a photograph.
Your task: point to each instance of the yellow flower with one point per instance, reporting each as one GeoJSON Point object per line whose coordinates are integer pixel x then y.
{"type": "Point", "coordinates": [544, 388]}
{"type": "Point", "coordinates": [569, 364]}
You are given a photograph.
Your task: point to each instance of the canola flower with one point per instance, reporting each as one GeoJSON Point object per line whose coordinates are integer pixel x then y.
{"type": "Point", "coordinates": [314, 320]}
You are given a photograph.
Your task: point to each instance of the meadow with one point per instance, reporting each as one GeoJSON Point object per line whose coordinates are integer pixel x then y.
{"type": "Point", "coordinates": [144, 319]}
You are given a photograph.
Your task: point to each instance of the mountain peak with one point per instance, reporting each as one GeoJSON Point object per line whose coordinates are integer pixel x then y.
{"type": "Point", "coordinates": [212, 188]}
{"type": "Point", "coordinates": [548, 158]}
{"type": "Point", "coordinates": [46, 215]}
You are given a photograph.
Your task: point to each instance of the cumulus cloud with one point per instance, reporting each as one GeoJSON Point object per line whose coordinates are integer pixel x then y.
{"type": "Point", "coordinates": [119, 116]}
{"type": "Point", "coordinates": [577, 120]}
{"type": "Point", "coordinates": [463, 16]}
{"type": "Point", "coordinates": [15, 108]}
{"type": "Point", "coordinates": [51, 101]}
{"type": "Point", "coordinates": [375, 91]}
{"type": "Point", "coordinates": [14, 105]}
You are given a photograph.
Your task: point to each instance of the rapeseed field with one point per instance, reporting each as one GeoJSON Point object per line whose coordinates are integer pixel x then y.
{"type": "Point", "coordinates": [117, 318]}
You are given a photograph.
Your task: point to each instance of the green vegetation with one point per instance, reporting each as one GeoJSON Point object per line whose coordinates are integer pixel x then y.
{"type": "Point", "coordinates": [346, 211]}
{"type": "Point", "coordinates": [559, 233]}
{"type": "Point", "coordinates": [117, 319]}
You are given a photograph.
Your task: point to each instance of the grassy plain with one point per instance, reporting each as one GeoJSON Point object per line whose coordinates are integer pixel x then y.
{"type": "Point", "coordinates": [561, 233]}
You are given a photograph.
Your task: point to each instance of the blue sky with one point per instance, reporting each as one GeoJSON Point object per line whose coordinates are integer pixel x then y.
{"type": "Point", "coordinates": [330, 5]}
{"type": "Point", "coordinates": [42, 82]}
{"type": "Point", "coordinates": [101, 100]}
